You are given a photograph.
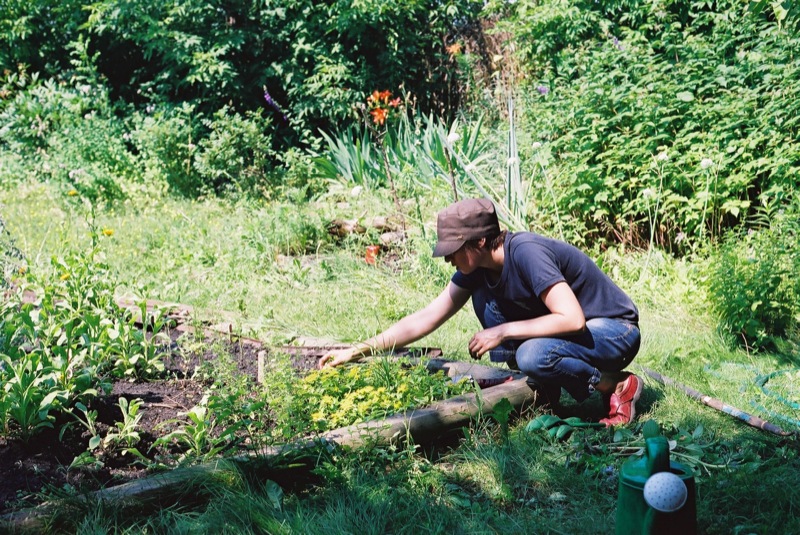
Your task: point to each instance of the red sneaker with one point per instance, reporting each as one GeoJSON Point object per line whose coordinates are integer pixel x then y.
{"type": "Point", "coordinates": [622, 406]}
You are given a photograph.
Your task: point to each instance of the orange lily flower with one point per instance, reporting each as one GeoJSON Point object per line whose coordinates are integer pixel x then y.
{"type": "Point", "coordinates": [378, 115]}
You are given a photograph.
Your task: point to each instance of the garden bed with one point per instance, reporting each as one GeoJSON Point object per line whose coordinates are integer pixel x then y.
{"type": "Point", "coordinates": [60, 462]}
{"type": "Point", "coordinates": [41, 469]}
{"type": "Point", "coordinates": [42, 465]}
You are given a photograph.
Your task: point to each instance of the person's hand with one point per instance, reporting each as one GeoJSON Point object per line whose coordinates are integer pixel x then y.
{"type": "Point", "coordinates": [337, 357]}
{"type": "Point", "coordinates": [484, 341]}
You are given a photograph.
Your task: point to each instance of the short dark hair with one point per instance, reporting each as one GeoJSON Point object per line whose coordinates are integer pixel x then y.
{"type": "Point", "coordinates": [492, 242]}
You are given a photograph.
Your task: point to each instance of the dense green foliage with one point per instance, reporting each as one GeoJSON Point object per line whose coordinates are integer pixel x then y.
{"type": "Point", "coordinates": [662, 136]}
{"type": "Point", "coordinates": [208, 97]}
{"type": "Point", "coordinates": [316, 59]}
{"type": "Point", "coordinates": [665, 122]}
{"type": "Point", "coordinates": [753, 281]}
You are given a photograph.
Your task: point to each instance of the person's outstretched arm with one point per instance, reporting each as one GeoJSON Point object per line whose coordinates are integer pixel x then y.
{"type": "Point", "coordinates": [407, 330]}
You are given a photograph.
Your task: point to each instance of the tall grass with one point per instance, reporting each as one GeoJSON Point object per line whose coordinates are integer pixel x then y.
{"type": "Point", "coordinates": [418, 147]}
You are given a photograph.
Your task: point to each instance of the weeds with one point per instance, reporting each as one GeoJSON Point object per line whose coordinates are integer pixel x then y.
{"type": "Point", "coordinates": [752, 281]}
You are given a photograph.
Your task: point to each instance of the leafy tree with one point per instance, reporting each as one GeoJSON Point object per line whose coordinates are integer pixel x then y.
{"type": "Point", "coordinates": [36, 33]}
{"type": "Point", "coordinates": [315, 58]}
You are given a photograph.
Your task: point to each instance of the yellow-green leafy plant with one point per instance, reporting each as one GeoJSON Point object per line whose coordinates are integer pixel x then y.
{"type": "Point", "coordinates": [337, 397]}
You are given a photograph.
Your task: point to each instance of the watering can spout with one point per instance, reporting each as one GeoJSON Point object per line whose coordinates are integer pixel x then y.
{"type": "Point", "coordinates": [657, 455]}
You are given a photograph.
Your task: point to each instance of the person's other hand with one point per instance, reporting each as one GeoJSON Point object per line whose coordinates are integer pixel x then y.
{"type": "Point", "coordinates": [484, 341]}
{"type": "Point", "coordinates": [338, 357]}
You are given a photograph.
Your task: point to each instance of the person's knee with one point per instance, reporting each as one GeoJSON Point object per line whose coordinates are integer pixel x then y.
{"type": "Point", "coordinates": [536, 363]}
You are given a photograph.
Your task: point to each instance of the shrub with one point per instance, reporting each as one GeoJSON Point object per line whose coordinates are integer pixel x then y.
{"type": "Point", "coordinates": [753, 284]}
{"type": "Point", "coordinates": [235, 154]}
{"type": "Point", "coordinates": [297, 178]}
{"type": "Point", "coordinates": [69, 132]}
{"type": "Point", "coordinates": [669, 122]}
{"type": "Point", "coordinates": [92, 157]}
{"type": "Point", "coordinates": [163, 138]}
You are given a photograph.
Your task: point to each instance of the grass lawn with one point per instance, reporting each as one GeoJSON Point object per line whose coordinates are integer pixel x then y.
{"type": "Point", "coordinates": [280, 276]}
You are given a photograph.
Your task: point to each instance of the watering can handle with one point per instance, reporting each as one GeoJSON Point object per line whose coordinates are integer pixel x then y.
{"type": "Point", "coordinates": [657, 452]}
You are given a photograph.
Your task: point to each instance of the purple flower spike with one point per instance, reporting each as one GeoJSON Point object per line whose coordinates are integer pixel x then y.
{"type": "Point", "coordinates": [543, 89]}
{"type": "Point", "coordinates": [617, 44]}
{"type": "Point", "coordinates": [274, 105]}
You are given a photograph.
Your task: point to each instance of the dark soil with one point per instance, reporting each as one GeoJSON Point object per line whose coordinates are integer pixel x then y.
{"type": "Point", "coordinates": [39, 470]}
{"type": "Point", "coordinates": [32, 472]}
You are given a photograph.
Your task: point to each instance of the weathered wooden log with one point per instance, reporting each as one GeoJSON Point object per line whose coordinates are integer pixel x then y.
{"type": "Point", "coordinates": [429, 422]}
{"type": "Point", "coordinates": [456, 368]}
{"type": "Point", "coordinates": [151, 489]}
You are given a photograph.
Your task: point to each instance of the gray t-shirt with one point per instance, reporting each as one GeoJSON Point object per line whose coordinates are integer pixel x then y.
{"type": "Point", "coordinates": [534, 263]}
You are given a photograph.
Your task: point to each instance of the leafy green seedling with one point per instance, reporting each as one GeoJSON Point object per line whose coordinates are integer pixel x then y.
{"type": "Point", "coordinates": [28, 397]}
{"type": "Point", "coordinates": [501, 413]}
{"type": "Point", "coordinates": [88, 421]}
{"type": "Point", "coordinates": [197, 434]}
{"type": "Point", "coordinates": [126, 433]}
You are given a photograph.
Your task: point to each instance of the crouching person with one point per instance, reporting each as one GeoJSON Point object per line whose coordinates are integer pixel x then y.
{"type": "Point", "coordinates": [545, 307]}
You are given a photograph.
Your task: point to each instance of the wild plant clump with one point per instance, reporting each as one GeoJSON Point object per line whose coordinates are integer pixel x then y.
{"type": "Point", "coordinates": [753, 283]}
{"type": "Point", "coordinates": [336, 397]}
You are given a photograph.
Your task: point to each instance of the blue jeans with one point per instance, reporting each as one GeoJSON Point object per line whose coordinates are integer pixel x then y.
{"type": "Point", "coordinates": [573, 362]}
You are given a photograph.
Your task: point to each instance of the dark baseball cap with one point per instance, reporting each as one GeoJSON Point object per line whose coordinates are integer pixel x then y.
{"type": "Point", "coordinates": [470, 219]}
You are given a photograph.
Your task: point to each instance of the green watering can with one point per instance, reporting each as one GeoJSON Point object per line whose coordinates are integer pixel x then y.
{"type": "Point", "coordinates": [656, 495]}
